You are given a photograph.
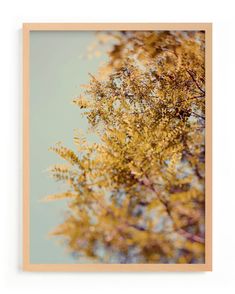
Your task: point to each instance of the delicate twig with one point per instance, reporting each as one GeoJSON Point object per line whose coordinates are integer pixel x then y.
{"type": "Point", "coordinates": [146, 182]}
{"type": "Point", "coordinates": [191, 236]}
{"type": "Point", "coordinates": [198, 115]}
{"type": "Point", "coordinates": [195, 97]}
{"type": "Point", "coordinates": [196, 83]}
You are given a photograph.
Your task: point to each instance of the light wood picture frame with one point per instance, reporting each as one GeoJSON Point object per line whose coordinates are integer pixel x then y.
{"type": "Point", "coordinates": [112, 267]}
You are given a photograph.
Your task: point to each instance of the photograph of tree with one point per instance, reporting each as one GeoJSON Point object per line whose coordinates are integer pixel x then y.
{"type": "Point", "coordinates": [130, 186]}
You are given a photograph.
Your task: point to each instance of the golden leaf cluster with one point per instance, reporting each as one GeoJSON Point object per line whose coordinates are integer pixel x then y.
{"type": "Point", "coordinates": [137, 196]}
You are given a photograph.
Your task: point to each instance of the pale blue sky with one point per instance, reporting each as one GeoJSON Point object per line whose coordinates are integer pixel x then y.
{"type": "Point", "coordinates": [56, 72]}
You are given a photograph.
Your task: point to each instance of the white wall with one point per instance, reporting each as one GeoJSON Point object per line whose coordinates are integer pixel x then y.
{"type": "Point", "coordinates": [221, 13]}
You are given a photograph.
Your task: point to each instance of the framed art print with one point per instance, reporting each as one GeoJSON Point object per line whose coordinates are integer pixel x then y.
{"type": "Point", "coordinates": [117, 147]}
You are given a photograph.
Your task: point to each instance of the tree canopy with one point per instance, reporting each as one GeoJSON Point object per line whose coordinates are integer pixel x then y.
{"type": "Point", "coordinates": [137, 195]}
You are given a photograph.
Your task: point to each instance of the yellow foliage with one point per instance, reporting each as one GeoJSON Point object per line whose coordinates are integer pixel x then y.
{"type": "Point", "coordinates": [138, 195]}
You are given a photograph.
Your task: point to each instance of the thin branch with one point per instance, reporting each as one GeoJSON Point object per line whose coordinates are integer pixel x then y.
{"type": "Point", "coordinates": [195, 97]}
{"type": "Point", "coordinates": [191, 236]}
{"type": "Point", "coordinates": [196, 83]}
{"type": "Point", "coordinates": [198, 115]}
{"type": "Point", "coordinates": [147, 183]}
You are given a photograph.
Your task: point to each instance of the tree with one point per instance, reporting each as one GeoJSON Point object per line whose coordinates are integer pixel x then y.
{"type": "Point", "coordinates": [137, 196]}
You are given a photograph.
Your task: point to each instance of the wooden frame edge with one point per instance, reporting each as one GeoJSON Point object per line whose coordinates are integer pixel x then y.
{"type": "Point", "coordinates": [116, 267]}
{"type": "Point", "coordinates": [114, 26]}
{"type": "Point", "coordinates": [208, 167]}
{"type": "Point", "coordinates": [26, 218]}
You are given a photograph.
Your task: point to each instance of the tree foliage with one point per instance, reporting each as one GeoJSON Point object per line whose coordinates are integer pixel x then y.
{"type": "Point", "coordinates": [137, 196]}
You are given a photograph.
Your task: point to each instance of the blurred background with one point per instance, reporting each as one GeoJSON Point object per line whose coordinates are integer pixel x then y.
{"type": "Point", "coordinates": [59, 64]}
